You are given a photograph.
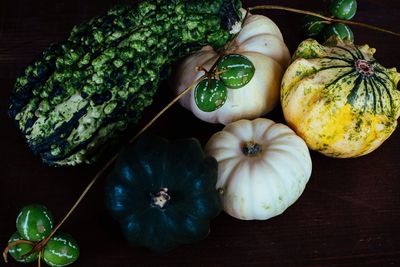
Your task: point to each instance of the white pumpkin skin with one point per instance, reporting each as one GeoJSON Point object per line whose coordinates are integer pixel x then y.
{"type": "Point", "coordinates": [260, 186]}
{"type": "Point", "coordinates": [262, 43]}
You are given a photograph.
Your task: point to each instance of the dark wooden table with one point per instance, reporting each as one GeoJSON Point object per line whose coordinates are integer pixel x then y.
{"type": "Point", "coordinates": [349, 214]}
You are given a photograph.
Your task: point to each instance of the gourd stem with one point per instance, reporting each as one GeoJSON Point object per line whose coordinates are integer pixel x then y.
{"type": "Point", "coordinates": [38, 247]}
{"type": "Point", "coordinates": [251, 149]}
{"type": "Point", "coordinates": [330, 20]}
{"type": "Point", "coordinates": [13, 244]}
{"type": "Point", "coordinates": [161, 198]}
{"type": "Point", "coordinates": [40, 259]}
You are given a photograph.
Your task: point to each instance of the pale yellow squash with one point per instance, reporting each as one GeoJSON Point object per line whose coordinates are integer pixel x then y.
{"type": "Point", "coordinates": [263, 167]}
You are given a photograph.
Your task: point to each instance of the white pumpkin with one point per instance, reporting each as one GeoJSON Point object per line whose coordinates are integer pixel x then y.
{"type": "Point", "coordinates": [263, 167]}
{"type": "Point", "coordinates": [261, 41]}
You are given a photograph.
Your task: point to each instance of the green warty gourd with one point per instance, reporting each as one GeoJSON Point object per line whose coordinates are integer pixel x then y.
{"type": "Point", "coordinates": [80, 94]}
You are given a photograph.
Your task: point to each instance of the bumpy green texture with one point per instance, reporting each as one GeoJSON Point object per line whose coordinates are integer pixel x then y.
{"type": "Point", "coordinates": [83, 92]}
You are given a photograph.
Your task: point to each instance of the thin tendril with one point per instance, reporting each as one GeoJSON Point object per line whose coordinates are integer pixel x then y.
{"type": "Point", "coordinates": [331, 20]}
{"type": "Point", "coordinates": [13, 244]}
{"type": "Point", "coordinates": [176, 99]}
{"type": "Point", "coordinates": [40, 259]}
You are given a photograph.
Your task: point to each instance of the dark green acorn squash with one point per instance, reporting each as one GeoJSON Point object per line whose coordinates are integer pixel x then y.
{"type": "Point", "coordinates": [163, 192]}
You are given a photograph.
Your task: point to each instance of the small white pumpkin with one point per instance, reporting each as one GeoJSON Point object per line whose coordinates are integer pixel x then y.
{"type": "Point", "coordinates": [261, 41]}
{"type": "Point", "coordinates": [263, 168]}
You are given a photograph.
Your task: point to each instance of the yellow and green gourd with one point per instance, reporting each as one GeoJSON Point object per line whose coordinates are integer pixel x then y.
{"type": "Point", "coordinates": [339, 99]}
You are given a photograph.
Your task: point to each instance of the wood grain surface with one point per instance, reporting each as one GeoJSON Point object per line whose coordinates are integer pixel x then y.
{"type": "Point", "coordinates": [349, 214]}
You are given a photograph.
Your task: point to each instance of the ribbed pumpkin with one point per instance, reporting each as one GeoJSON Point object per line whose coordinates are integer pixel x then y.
{"type": "Point", "coordinates": [263, 167]}
{"type": "Point", "coordinates": [163, 192]}
{"type": "Point", "coordinates": [339, 99]}
{"type": "Point", "coordinates": [259, 40]}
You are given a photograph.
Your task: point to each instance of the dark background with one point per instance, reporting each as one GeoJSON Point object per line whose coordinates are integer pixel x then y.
{"type": "Point", "coordinates": [347, 216]}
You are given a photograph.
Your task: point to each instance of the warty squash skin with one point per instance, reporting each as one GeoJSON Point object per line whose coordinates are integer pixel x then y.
{"type": "Point", "coordinates": [339, 99]}
{"type": "Point", "coordinates": [261, 41]}
{"type": "Point", "coordinates": [82, 94]}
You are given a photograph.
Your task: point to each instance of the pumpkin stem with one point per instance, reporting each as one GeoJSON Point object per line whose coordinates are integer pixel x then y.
{"type": "Point", "coordinates": [328, 19]}
{"type": "Point", "coordinates": [161, 198]}
{"type": "Point", "coordinates": [364, 67]}
{"type": "Point", "coordinates": [251, 149]}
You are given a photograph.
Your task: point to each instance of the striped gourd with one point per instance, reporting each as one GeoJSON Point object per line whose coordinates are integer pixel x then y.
{"type": "Point", "coordinates": [60, 250]}
{"type": "Point", "coordinates": [339, 99]}
{"type": "Point", "coordinates": [82, 92]}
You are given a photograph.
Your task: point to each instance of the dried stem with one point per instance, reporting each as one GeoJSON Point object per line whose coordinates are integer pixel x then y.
{"type": "Point", "coordinates": [176, 99]}
{"type": "Point", "coordinates": [330, 20]}
{"type": "Point", "coordinates": [13, 244]}
{"type": "Point", "coordinates": [40, 259]}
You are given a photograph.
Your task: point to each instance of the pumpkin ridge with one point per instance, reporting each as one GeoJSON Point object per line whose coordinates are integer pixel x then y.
{"type": "Point", "coordinates": [375, 79]}
{"type": "Point", "coordinates": [222, 160]}
{"type": "Point", "coordinates": [373, 94]}
{"type": "Point", "coordinates": [333, 67]}
{"type": "Point", "coordinates": [174, 216]}
{"type": "Point", "coordinates": [205, 201]}
{"type": "Point", "coordinates": [282, 147]}
{"type": "Point", "coordinates": [223, 176]}
{"type": "Point", "coordinates": [125, 174]}
{"type": "Point", "coordinates": [366, 96]}
{"type": "Point", "coordinates": [168, 231]}
{"type": "Point", "coordinates": [169, 221]}
{"type": "Point", "coordinates": [375, 89]}
{"type": "Point", "coordinates": [337, 58]}
{"type": "Point", "coordinates": [191, 227]}
{"type": "Point", "coordinates": [265, 129]}
{"type": "Point", "coordinates": [348, 51]}
{"type": "Point", "coordinates": [379, 70]}
{"type": "Point", "coordinates": [281, 182]}
{"type": "Point", "coordinates": [352, 73]}
{"type": "Point", "coordinates": [352, 96]}
{"type": "Point", "coordinates": [359, 53]}
{"type": "Point", "coordinates": [271, 141]}
{"type": "Point", "coordinates": [243, 47]}
{"type": "Point", "coordinates": [231, 183]}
